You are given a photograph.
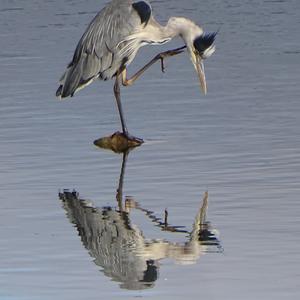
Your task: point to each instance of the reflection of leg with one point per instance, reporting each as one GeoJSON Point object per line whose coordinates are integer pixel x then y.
{"type": "Point", "coordinates": [119, 104]}
{"type": "Point", "coordinates": [119, 195]}
{"type": "Point", "coordinates": [160, 56]}
{"type": "Point", "coordinates": [166, 218]}
{"type": "Point", "coordinates": [130, 204]}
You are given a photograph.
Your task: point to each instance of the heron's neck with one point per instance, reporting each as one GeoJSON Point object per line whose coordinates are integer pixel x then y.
{"type": "Point", "coordinates": [154, 33]}
{"type": "Point", "coordinates": [185, 28]}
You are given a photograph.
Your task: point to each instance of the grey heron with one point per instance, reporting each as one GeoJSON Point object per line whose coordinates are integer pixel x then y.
{"type": "Point", "coordinates": [112, 40]}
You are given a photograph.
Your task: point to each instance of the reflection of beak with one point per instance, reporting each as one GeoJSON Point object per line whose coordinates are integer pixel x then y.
{"type": "Point", "coordinates": [198, 64]}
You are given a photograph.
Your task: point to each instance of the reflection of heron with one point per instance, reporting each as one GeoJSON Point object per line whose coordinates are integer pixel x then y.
{"type": "Point", "coordinates": [110, 238]}
{"type": "Point", "coordinates": [113, 39]}
{"type": "Point", "coordinates": [119, 247]}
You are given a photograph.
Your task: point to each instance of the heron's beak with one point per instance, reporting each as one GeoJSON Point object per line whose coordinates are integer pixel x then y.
{"type": "Point", "coordinates": [198, 65]}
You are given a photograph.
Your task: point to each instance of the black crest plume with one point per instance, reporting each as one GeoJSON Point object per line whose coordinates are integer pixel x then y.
{"type": "Point", "coordinates": [204, 41]}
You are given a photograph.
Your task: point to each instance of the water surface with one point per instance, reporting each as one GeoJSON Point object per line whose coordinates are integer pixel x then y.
{"type": "Point", "coordinates": [240, 143]}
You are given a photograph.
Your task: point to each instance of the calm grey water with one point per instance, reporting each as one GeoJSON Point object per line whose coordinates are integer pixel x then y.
{"type": "Point", "coordinates": [240, 143]}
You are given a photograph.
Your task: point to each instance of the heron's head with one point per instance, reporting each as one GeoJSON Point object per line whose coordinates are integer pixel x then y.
{"type": "Point", "coordinates": [202, 47]}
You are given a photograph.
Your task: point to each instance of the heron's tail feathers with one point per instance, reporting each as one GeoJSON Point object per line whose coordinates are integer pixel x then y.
{"type": "Point", "coordinates": [68, 82]}
{"type": "Point", "coordinates": [74, 79]}
{"type": "Point", "coordinates": [204, 44]}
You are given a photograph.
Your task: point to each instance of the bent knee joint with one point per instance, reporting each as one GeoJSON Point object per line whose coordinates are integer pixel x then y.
{"type": "Point", "coordinates": [127, 82]}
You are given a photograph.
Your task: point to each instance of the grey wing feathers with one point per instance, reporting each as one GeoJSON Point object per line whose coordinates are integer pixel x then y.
{"type": "Point", "coordinates": [95, 51]}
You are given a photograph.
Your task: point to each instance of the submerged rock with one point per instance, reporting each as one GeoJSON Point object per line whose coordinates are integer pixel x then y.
{"type": "Point", "coordinates": [118, 142]}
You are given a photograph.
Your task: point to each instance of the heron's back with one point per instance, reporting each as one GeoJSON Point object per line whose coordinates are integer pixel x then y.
{"type": "Point", "coordinates": [97, 54]}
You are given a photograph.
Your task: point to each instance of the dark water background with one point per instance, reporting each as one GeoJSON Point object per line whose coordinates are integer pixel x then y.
{"type": "Point", "coordinates": [240, 143]}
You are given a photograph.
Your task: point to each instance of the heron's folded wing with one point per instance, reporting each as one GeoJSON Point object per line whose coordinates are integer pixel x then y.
{"type": "Point", "coordinates": [98, 44]}
{"type": "Point", "coordinates": [96, 50]}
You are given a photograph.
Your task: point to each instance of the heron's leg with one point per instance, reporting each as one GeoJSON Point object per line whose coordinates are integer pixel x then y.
{"type": "Point", "coordinates": [119, 104]}
{"type": "Point", "coordinates": [120, 109]}
{"type": "Point", "coordinates": [160, 56]}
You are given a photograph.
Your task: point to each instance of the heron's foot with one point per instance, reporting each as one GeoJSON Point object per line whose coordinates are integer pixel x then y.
{"type": "Point", "coordinates": [133, 139]}
{"type": "Point", "coordinates": [168, 53]}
